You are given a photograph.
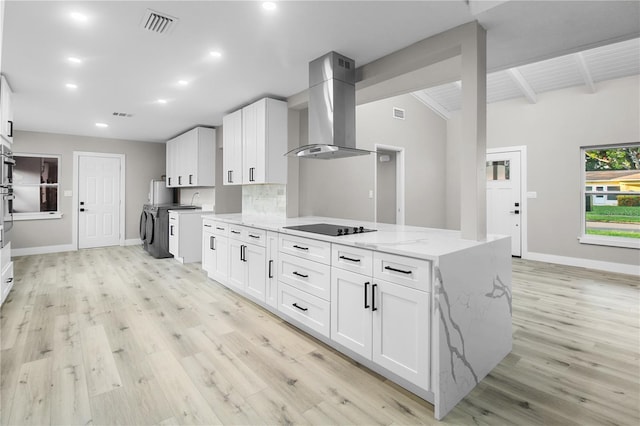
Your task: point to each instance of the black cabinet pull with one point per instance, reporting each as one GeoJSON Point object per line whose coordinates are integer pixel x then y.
{"type": "Point", "coordinates": [229, 176]}
{"type": "Point", "coordinates": [366, 299]}
{"type": "Point", "coordinates": [389, 268]}
{"type": "Point", "coordinates": [10, 128]}
{"type": "Point", "coordinates": [207, 226]}
{"type": "Point", "coordinates": [81, 209]}
{"type": "Point", "coordinates": [350, 259]}
{"type": "Point", "coordinates": [171, 230]}
{"type": "Point", "coordinates": [270, 272]}
{"type": "Point", "coordinates": [169, 182]}
{"type": "Point", "coordinates": [251, 177]}
{"type": "Point", "coordinates": [235, 232]}
{"type": "Point", "coordinates": [373, 298]}
{"type": "Point", "coordinates": [219, 229]}
{"type": "Point", "coordinates": [254, 236]}
{"type": "Point", "coordinates": [179, 180]}
{"type": "Point", "coordinates": [243, 253]}
{"type": "Point", "coordinates": [212, 240]}
{"type": "Point", "coordinates": [300, 275]}
{"type": "Point", "coordinates": [190, 179]}
{"type": "Point", "coordinates": [300, 307]}
{"type": "Point", "coordinates": [300, 248]}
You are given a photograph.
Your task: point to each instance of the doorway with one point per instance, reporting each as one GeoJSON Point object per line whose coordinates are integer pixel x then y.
{"type": "Point", "coordinates": [98, 199]}
{"type": "Point", "coordinates": [389, 181]}
{"type": "Point", "coordinates": [506, 206]}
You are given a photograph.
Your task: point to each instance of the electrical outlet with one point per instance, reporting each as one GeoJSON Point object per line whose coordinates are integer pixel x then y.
{"type": "Point", "coordinates": [371, 193]}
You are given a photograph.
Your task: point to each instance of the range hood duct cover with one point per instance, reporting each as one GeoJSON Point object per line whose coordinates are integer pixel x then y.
{"type": "Point", "coordinates": [332, 109]}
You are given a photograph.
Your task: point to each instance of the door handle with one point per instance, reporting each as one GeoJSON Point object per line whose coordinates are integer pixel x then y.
{"type": "Point", "coordinates": [190, 179]}
{"type": "Point", "coordinates": [179, 180]}
{"type": "Point", "coordinates": [212, 243]}
{"type": "Point", "coordinates": [10, 128]}
{"type": "Point", "coordinates": [299, 274]}
{"type": "Point", "coordinates": [300, 307]}
{"type": "Point", "coordinates": [515, 212]}
{"type": "Point", "coordinates": [270, 272]}
{"type": "Point", "coordinates": [366, 299]}
{"type": "Point", "coordinates": [82, 209]}
{"type": "Point", "coordinates": [229, 176]}
{"type": "Point", "coordinates": [373, 298]}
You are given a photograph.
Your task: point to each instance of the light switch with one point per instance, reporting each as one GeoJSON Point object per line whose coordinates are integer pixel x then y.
{"type": "Point", "coordinates": [68, 193]}
{"type": "Point", "coordinates": [532, 194]}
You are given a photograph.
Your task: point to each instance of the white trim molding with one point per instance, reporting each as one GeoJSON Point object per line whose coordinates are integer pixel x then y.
{"type": "Point", "coordinates": [28, 251]}
{"type": "Point", "coordinates": [132, 242]}
{"type": "Point", "coordinates": [622, 268]}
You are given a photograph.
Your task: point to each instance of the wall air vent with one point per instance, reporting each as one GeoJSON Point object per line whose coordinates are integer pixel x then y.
{"type": "Point", "coordinates": [157, 22]}
{"type": "Point", "coordinates": [398, 113]}
{"type": "Point", "coordinates": [122, 114]}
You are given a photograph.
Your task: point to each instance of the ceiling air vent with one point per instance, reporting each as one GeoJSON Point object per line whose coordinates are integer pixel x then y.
{"type": "Point", "coordinates": [122, 114]}
{"type": "Point", "coordinates": [157, 22]}
{"type": "Point", "coordinates": [398, 113]}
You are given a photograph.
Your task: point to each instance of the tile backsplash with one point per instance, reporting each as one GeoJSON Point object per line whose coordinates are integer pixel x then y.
{"type": "Point", "coordinates": [199, 196]}
{"type": "Point", "coordinates": [264, 200]}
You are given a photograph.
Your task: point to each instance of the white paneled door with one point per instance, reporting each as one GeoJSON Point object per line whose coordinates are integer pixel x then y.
{"type": "Point", "coordinates": [98, 201]}
{"type": "Point", "coordinates": [504, 197]}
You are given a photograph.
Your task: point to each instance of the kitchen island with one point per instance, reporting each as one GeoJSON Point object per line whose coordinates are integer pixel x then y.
{"type": "Point", "coordinates": [421, 306]}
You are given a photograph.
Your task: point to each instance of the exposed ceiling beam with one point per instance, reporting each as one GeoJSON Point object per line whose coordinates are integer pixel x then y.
{"type": "Point", "coordinates": [523, 85]}
{"type": "Point", "coordinates": [585, 72]}
{"type": "Point", "coordinates": [423, 97]}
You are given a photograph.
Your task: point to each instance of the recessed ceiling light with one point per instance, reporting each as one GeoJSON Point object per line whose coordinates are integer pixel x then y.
{"type": "Point", "coordinates": [183, 82]}
{"type": "Point", "coordinates": [102, 125]}
{"type": "Point", "coordinates": [71, 86]}
{"type": "Point", "coordinates": [74, 60]}
{"type": "Point", "coordinates": [162, 101]}
{"type": "Point", "coordinates": [269, 5]}
{"type": "Point", "coordinates": [216, 53]}
{"type": "Point", "coordinates": [79, 17]}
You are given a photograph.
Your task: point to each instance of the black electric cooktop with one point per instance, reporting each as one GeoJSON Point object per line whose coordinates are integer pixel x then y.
{"type": "Point", "coordinates": [332, 230]}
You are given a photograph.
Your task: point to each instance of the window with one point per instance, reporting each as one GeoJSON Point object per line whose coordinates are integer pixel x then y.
{"type": "Point", "coordinates": [498, 170]}
{"type": "Point", "coordinates": [35, 186]}
{"type": "Point", "coordinates": [611, 195]}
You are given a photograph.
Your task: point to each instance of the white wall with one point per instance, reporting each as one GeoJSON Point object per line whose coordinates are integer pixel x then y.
{"type": "Point", "coordinates": [553, 130]}
{"type": "Point", "coordinates": [340, 188]}
{"type": "Point", "coordinates": [144, 161]}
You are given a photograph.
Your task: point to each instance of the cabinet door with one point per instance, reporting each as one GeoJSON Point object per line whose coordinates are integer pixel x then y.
{"type": "Point", "coordinates": [189, 158]}
{"type": "Point", "coordinates": [174, 238]}
{"type": "Point", "coordinates": [172, 169]}
{"type": "Point", "coordinates": [249, 143]}
{"type": "Point", "coordinates": [351, 324]}
{"type": "Point", "coordinates": [232, 148]}
{"type": "Point", "coordinates": [208, 253]}
{"type": "Point", "coordinates": [237, 266]}
{"type": "Point", "coordinates": [6, 113]}
{"type": "Point", "coordinates": [271, 291]}
{"type": "Point", "coordinates": [256, 271]}
{"type": "Point", "coordinates": [401, 331]}
{"type": "Point", "coordinates": [220, 270]}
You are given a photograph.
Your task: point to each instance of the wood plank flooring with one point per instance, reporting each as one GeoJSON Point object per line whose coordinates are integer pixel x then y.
{"type": "Point", "coordinates": [113, 336]}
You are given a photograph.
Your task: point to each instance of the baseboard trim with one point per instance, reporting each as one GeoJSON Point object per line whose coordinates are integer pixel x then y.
{"type": "Point", "coordinates": [133, 242]}
{"type": "Point", "coordinates": [622, 268]}
{"type": "Point", "coordinates": [28, 251]}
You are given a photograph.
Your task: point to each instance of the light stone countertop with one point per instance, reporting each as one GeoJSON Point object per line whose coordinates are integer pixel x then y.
{"type": "Point", "coordinates": [413, 241]}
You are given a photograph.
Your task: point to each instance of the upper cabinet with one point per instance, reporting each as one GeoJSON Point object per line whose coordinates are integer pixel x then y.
{"type": "Point", "coordinates": [255, 140]}
{"type": "Point", "coordinates": [6, 111]}
{"type": "Point", "coordinates": [191, 158]}
{"type": "Point", "coordinates": [232, 148]}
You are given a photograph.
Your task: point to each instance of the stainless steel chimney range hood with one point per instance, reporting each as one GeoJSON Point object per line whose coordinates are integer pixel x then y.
{"type": "Point", "coordinates": [332, 109]}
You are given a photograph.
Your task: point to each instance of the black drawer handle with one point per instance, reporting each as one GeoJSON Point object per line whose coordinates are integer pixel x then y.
{"type": "Point", "coordinates": [9, 280]}
{"type": "Point", "coordinates": [350, 259]}
{"type": "Point", "coordinates": [254, 236]}
{"type": "Point", "coordinates": [295, 305]}
{"type": "Point", "coordinates": [373, 298]}
{"type": "Point", "coordinates": [208, 226]}
{"type": "Point", "coordinates": [300, 275]}
{"type": "Point", "coordinates": [219, 229]}
{"type": "Point", "coordinates": [300, 248]}
{"type": "Point", "coordinates": [171, 230]}
{"type": "Point", "coordinates": [389, 268]}
{"type": "Point", "coordinates": [212, 241]}
{"type": "Point", "coordinates": [366, 299]}
{"type": "Point", "coordinates": [235, 232]}
{"type": "Point", "coordinates": [190, 179]}
{"type": "Point", "coordinates": [270, 272]}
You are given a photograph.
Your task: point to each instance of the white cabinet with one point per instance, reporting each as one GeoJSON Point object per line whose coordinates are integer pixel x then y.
{"type": "Point", "coordinates": [232, 148]}
{"type": "Point", "coordinates": [7, 281]}
{"type": "Point", "coordinates": [185, 235]}
{"type": "Point", "coordinates": [191, 158]}
{"type": "Point", "coordinates": [215, 250]}
{"type": "Point", "coordinates": [247, 261]}
{"type": "Point", "coordinates": [271, 291]}
{"type": "Point", "coordinates": [6, 110]}
{"type": "Point", "coordinates": [255, 141]}
{"type": "Point", "coordinates": [387, 322]}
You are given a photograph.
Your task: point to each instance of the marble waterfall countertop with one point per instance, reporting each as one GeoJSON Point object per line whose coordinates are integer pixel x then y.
{"type": "Point", "coordinates": [414, 241]}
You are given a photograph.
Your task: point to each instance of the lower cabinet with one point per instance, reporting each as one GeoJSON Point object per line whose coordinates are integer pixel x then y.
{"type": "Point", "coordinates": [215, 250]}
{"type": "Point", "coordinates": [271, 290]}
{"type": "Point", "coordinates": [247, 262]}
{"type": "Point", "coordinates": [7, 282]}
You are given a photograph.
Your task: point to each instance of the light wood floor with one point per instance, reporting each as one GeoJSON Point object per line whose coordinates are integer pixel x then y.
{"type": "Point", "coordinates": [113, 336]}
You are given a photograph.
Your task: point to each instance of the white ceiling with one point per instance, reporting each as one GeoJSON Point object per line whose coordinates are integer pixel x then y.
{"type": "Point", "coordinates": [126, 69]}
{"type": "Point", "coordinates": [584, 68]}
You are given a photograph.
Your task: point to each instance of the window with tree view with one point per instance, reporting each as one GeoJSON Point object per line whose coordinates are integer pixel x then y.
{"type": "Point", "coordinates": [35, 186]}
{"type": "Point", "coordinates": [612, 193]}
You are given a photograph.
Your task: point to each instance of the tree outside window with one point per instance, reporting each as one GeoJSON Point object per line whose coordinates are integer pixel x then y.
{"type": "Point", "coordinates": [35, 185]}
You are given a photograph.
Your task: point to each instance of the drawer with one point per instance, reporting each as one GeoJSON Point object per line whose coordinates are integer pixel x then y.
{"type": "Point", "coordinates": [217, 228]}
{"type": "Point", "coordinates": [352, 259]}
{"type": "Point", "coordinates": [237, 232]}
{"type": "Point", "coordinates": [304, 308]}
{"type": "Point", "coordinates": [256, 236]}
{"type": "Point", "coordinates": [306, 275]}
{"type": "Point", "coordinates": [319, 251]}
{"type": "Point", "coordinates": [7, 281]}
{"type": "Point", "coordinates": [408, 271]}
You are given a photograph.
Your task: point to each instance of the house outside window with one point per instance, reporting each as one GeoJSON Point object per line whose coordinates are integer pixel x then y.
{"type": "Point", "coordinates": [35, 186]}
{"type": "Point", "coordinates": [611, 195]}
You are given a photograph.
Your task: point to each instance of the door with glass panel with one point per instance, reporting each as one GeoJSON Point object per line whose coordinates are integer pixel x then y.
{"type": "Point", "coordinates": [504, 197]}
